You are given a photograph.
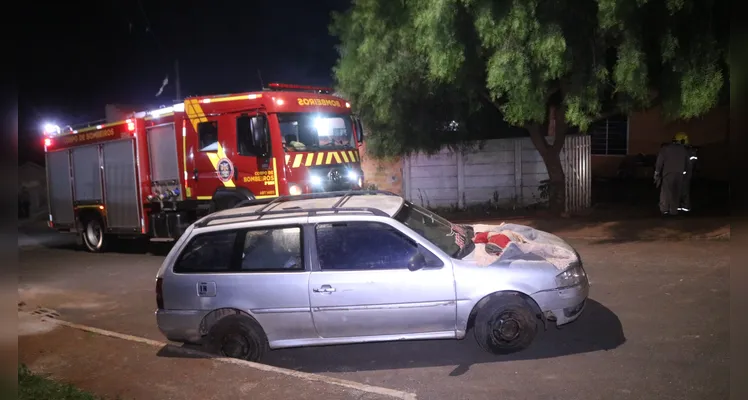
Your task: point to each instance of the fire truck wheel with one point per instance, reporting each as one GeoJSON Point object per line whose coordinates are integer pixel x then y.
{"type": "Point", "coordinates": [93, 235]}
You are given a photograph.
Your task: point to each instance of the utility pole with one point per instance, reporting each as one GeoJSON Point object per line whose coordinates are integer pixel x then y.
{"type": "Point", "coordinates": [259, 75]}
{"type": "Point", "coordinates": [176, 83]}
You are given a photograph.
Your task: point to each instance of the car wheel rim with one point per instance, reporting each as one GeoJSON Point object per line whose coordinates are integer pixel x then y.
{"type": "Point", "coordinates": [94, 234]}
{"type": "Point", "coordinates": [235, 346]}
{"type": "Point", "coordinates": [506, 327]}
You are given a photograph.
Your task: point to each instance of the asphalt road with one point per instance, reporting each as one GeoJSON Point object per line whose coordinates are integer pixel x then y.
{"type": "Point", "coordinates": [657, 326]}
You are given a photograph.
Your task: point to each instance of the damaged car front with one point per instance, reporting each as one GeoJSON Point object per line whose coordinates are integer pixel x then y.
{"type": "Point", "coordinates": [559, 284]}
{"type": "Point", "coordinates": [507, 277]}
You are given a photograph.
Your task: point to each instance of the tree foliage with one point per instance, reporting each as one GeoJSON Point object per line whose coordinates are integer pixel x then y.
{"type": "Point", "coordinates": [412, 66]}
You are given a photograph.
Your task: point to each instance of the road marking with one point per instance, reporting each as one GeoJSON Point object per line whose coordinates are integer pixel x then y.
{"type": "Point", "coordinates": [397, 394]}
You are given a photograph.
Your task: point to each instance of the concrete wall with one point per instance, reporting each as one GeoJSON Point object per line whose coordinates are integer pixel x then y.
{"type": "Point", "coordinates": [506, 172]}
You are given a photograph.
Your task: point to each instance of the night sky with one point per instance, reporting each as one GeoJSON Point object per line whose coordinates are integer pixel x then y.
{"type": "Point", "coordinates": [91, 53]}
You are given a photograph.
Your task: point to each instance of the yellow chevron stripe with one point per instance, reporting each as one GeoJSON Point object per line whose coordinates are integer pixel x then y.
{"type": "Point", "coordinates": [330, 156]}
{"type": "Point", "coordinates": [354, 156]}
{"type": "Point", "coordinates": [309, 159]}
{"type": "Point", "coordinates": [288, 157]}
{"type": "Point", "coordinates": [297, 160]}
{"type": "Point", "coordinates": [345, 156]}
{"type": "Point", "coordinates": [319, 158]}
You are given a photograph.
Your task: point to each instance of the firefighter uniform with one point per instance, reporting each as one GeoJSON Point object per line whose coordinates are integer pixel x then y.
{"type": "Point", "coordinates": [685, 197]}
{"type": "Point", "coordinates": [669, 171]}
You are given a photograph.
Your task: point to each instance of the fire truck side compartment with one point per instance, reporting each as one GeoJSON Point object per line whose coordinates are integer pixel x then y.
{"type": "Point", "coordinates": [122, 203]}
{"type": "Point", "coordinates": [60, 190]}
{"type": "Point", "coordinates": [169, 224]}
{"type": "Point", "coordinates": [164, 162]}
{"type": "Point", "coordinates": [86, 175]}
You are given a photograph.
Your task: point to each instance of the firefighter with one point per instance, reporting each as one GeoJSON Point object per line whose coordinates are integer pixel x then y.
{"type": "Point", "coordinates": [685, 197]}
{"type": "Point", "coordinates": [669, 170]}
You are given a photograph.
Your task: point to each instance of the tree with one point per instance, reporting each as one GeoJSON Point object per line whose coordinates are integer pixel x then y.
{"type": "Point", "coordinates": [410, 67]}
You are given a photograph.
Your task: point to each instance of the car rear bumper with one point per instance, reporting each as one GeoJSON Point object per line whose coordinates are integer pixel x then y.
{"type": "Point", "coordinates": [563, 305]}
{"type": "Point", "coordinates": [180, 325]}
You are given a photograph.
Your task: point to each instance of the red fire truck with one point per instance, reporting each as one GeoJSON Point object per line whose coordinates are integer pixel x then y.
{"type": "Point", "coordinates": [158, 171]}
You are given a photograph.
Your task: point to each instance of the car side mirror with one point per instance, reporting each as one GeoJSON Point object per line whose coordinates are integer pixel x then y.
{"type": "Point", "coordinates": [418, 261]}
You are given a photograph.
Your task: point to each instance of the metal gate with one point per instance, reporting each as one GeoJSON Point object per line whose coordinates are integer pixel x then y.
{"type": "Point", "coordinates": [575, 159]}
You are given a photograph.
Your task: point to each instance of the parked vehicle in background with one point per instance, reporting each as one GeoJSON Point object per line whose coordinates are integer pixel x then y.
{"type": "Point", "coordinates": [156, 172]}
{"type": "Point", "coordinates": [360, 266]}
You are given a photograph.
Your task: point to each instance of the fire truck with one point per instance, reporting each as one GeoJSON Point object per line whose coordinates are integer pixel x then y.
{"type": "Point", "coordinates": [154, 173]}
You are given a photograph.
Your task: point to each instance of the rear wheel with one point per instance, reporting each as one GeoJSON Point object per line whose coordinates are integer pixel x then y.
{"type": "Point", "coordinates": [93, 235]}
{"type": "Point", "coordinates": [506, 324]}
{"type": "Point", "coordinates": [238, 336]}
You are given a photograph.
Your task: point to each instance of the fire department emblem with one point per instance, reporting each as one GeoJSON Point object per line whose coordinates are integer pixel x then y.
{"type": "Point", "coordinates": [225, 169]}
{"type": "Point", "coordinates": [335, 176]}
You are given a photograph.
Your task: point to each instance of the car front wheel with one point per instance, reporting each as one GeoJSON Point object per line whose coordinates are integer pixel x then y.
{"type": "Point", "coordinates": [505, 325]}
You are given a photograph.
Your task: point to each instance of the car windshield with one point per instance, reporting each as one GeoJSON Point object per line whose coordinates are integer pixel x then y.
{"type": "Point", "coordinates": [451, 238]}
{"type": "Point", "coordinates": [315, 132]}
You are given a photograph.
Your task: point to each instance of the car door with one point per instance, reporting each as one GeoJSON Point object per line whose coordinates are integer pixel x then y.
{"type": "Point", "coordinates": [360, 284]}
{"type": "Point", "coordinates": [259, 270]}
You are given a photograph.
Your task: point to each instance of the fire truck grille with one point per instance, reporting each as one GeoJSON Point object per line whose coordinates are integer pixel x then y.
{"type": "Point", "coordinates": [333, 178]}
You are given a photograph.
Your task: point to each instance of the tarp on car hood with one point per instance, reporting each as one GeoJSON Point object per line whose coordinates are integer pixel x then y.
{"type": "Point", "coordinates": [528, 244]}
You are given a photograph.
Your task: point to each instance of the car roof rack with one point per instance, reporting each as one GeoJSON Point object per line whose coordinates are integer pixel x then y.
{"type": "Point", "coordinates": [267, 203]}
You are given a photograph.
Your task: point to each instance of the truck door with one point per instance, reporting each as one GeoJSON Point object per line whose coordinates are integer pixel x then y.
{"type": "Point", "coordinates": [211, 166]}
{"type": "Point", "coordinates": [254, 162]}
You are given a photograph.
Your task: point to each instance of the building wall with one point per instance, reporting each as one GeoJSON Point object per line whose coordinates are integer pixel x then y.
{"type": "Point", "coordinates": [648, 130]}
{"type": "Point", "coordinates": [384, 174]}
{"type": "Point", "coordinates": [33, 177]}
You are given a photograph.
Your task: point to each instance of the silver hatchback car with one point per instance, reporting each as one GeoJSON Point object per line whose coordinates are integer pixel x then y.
{"type": "Point", "coordinates": [359, 267]}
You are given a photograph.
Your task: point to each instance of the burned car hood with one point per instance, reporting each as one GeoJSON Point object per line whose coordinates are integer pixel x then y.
{"type": "Point", "coordinates": [526, 244]}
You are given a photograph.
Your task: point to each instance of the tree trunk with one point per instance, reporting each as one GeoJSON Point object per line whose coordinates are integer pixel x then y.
{"type": "Point", "coordinates": [551, 155]}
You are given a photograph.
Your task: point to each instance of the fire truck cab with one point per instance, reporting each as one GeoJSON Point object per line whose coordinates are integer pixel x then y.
{"type": "Point", "coordinates": [158, 171]}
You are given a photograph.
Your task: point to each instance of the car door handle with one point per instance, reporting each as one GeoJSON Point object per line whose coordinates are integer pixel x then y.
{"type": "Point", "coordinates": [324, 289]}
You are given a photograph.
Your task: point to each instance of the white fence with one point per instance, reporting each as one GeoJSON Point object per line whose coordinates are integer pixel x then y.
{"type": "Point", "coordinates": [507, 172]}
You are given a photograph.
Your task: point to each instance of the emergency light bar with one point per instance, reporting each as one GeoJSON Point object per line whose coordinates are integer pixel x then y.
{"type": "Point", "coordinates": [286, 86]}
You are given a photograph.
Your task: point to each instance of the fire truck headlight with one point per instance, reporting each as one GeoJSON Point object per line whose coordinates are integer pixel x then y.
{"type": "Point", "coordinates": [294, 189]}
{"type": "Point", "coordinates": [352, 175]}
{"type": "Point", "coordinates": [315, 180]}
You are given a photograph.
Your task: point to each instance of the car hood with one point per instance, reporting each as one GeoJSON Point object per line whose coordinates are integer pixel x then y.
{"type": "Point", "coordinates": [532, 245]}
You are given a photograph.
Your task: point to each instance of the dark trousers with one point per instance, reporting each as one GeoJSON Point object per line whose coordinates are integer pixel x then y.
{"type": "Point", "coordinates": [670, 191]}
{"type": "Point", "coordinates": [685, 195]}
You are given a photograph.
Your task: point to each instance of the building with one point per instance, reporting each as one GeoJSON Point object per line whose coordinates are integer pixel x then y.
{"type": "Point", "coordinates": [33, 177]}
{"type": "Point", "coordinates": [613, 141]}
{"type": "Point", "coordinates": [615, 138]}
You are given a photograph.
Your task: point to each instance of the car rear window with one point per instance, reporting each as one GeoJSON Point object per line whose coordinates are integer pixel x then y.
{"type": "Point", "coordinates": [246, 250]}
{"type": "Point", "coordinates": [208, 252]}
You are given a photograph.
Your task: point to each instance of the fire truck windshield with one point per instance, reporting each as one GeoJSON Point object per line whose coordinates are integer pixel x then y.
{"type": "Point", "coordinates": [316, 132]}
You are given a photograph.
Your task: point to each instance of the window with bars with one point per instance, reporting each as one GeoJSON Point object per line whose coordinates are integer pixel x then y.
{"type": "Point", "coordinates": [610, 136]}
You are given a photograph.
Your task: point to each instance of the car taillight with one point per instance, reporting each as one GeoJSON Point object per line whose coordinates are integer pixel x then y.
{"type": "Point", "coordinates": [160, 293]}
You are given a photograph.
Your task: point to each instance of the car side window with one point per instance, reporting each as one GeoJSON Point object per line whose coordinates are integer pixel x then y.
{"type": "Point", "coordinates": [208, 252]}
{"type": "Point", "coordinates": [363, 246]}
{"type": "Point", "coordinates": [272, 250]}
